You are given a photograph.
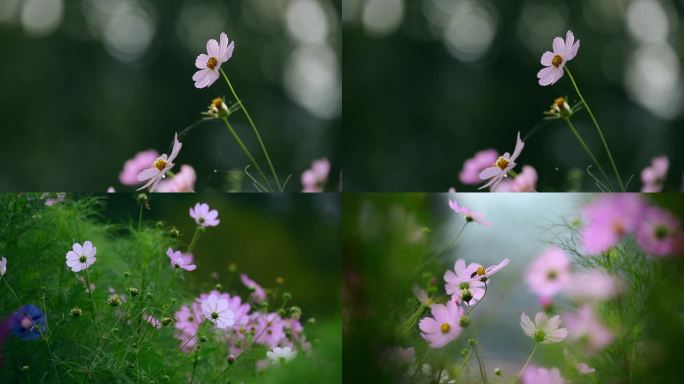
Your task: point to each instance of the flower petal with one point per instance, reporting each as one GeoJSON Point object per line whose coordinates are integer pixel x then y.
{"type": "Point", "coordinates": [147, 174]}
{"type": "Point", "coordinates": [213, 48]}
{"type": "Point", "coordinates": [546, 58]}
{"type": "Point", "coordinates": [201, 61]}
{"type": "Point", "coordinates": [558, 46]}
{"type": "Point", "coordinates": [519, 145]}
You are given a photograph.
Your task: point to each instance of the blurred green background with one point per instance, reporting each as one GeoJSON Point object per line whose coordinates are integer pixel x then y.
{"type": "Point", "coordinates": [427, 83]}
{"type": "Point", "coordinates": [88, 83]}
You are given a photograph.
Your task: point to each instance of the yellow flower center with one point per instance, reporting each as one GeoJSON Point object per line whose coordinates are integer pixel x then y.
{"type": "Point", "coordinates": [619, 228]}
{"type": "Point", "coordinates": [559, 103]}
{"type": "Point", "coordinates": [217, 103]}
{"type": "Point", "coordinates": [445, 328]}
{"type": "Point", "coordinates": [160, 164]}
{"type": "Point", "coordinates": [502, 162]}
{"type": "Point", "coordinates": [557, 61]}
{"type": "Point", "coordinates": [212, 62]}
{"type": "Point", "coordinates": [481, 271]}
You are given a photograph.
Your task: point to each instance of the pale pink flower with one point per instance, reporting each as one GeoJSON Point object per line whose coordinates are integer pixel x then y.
{"type": "Point", "coordinates": [184, 181]}
{"type": "Point", "coordinates": [653, 177]}
{"type": "Point", "coordinates": [314, 178]}
{"type": "Point", "coordinates": [501, 166]}
{"type": "Point", "coordinates": [204, 216]}
{"type": "Point", "coordinates": [586, 328]}
{"type": "Point", "coordinates": [544, 330]}
{"type": "Point", "coordinates": [210, 63]}
{"type": "Point", "coordinates": [421, 295]}
{"type": "Point", "coordinates": [549, 273]}
{"type": "Point", "coordinates": [111, 190]}
{"type": "Point", "coordinates": [188, 319]}
{"type": "Point", "coordinates": [3, 266]}
{"type": "Point", "coordinates": [584, 368]}
{"type": "Point", "coordinates": [281, 355]}
{"type": "Point", "coordinates": [563, 51]}
{"type": "Point", "coordinates": [270, 329]}
{"type": "Point", "coordinates": [59, 197]}
{"type": "Point", "coordinates": [592, 285]}
{"type": "Point", "coordinates": [659, 232]}
{"type": "Point", "coordinates": [152, 320]}
{"type": "Point", "coordinates": [461, 285]}
{"type": "Point", "coordinates": [180, 260]}
{"type": "Point", "coordinates": [444, 326]}
{"type": "Point", "coordinates": [258, 294]}
{"type": "Point", "coordinates": [139, 162]}
{"type": "Point", "coordinates": [483, 274]}
{"type": "Point", "coordinates": [81, 257]}
{"type": "Point", "coordinates": [163, 164]}
{"type": "Point", "coordinates": [217, 311]}
{"type": "Point", "coordinates": [472, 167]}
{"type": "Point", "coordinates": [467, 213]}
{"type": "Point", "coordinates": [538, 375]}
{"type": "Point", "coordinates": [526, 181]}
{"type": "Point", "coordinates": [401, 356]}
{"type": "Point", "coordinates": [608, 220]}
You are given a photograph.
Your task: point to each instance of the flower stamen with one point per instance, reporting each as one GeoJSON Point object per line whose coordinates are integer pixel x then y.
{"type": "Point", "coordinates": [556, 61]}
{"type": "Point", "coordinates": [502, 162]}
{"type": "Point", "coordinates": [445, 328]}
{"type": "Point", "coordinates": [212, 62]}
{"type": "Point", "coordinates": [160, 164]}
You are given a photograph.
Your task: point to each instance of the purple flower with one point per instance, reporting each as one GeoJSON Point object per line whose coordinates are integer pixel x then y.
{"type": "Point", "coordinates": [188, 319]}
{"type": "Point", "coordinates": [270, 329]}
{"type": "Point", "coordinates": [549, 273]}
{"type": "Point", "coordinates": [483, 274]}
{"type": "Point", "coordinates": [538, 375]}
{"type": "Point", "coordinates": [258, 294]}
{"type": "Point", "coordinates": [181, 260]}
{"type": "Point", "coordinates": [544, 330]}
{"type": "Point", "coordinates": [468, 214]}
{"type": "Point", "coordinates": [216, 310]}
{"type": "Point", "coordinates": [28, 322]}
{"type": "Point", "coordinates": [204, 217]}
{"type": "Point", "coordinates": [585, 327]}
{"type": "Point", "coordinates": [314, 178]}
{"type": "Point", "coordinates": [501, 166]}
{"type": "Point", "coordinates": [472, 167]}
{"type": "Point", "coordinates": [59, 197]}
{"type": "Point", "coordinates": [163, 164]}
{"type": "Point", "coordinates": [210, 63]}
{"type": "Point", "coordinates": [592, 285]}
{"type": "Point", "coordinates": [184, 181]}
{"type": "Point", "coordinates": [444, 326]}
{"type": "Point", "coordinates": [608, 219]}
{"type": "Point", "coordinates": [526, 181]}
{"type": "Point", "coordinates": [152, 320]}
{"type": "Point", "coordinates": [653, 177]}
{"type": "Point", "coordinates": [81, 257]}
{"type": "Point", "coordinates": [141, 160]}
{"type": "Point", "coordinates": [659, 232]}
{"type": "Point", "coordinates": [3, 266]}
{"type": "Point", "coordinates": [563, 51]}
{"type": "Point", "coordinates": [461, 285]}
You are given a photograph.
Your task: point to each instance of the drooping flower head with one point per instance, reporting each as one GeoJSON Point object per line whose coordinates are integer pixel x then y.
{"type": "Point", "coordinates": [538, 375]}
{"type": "Point", "coordinates": [544, 330]}
{"type": "Point", "coordinates": [161, 165]}
{"type": "Point", "coordinates": [549, 273]}
{"type": "Point", "coordinates": [653, 177]}
{"type": "Point", "coordinates": [216, 310]}
{"type": "Point", "coordinates": [28, 322]}
{"type": "Point", "coordinates": [281, 355]}
{"type": "Point", "coordinates": [501, 166]}
{"type": "Point", "coordinates": [258, 294]}
{"type": "Point", "coordinates": [184, 181]}
{"type": "Point", "coordinates": [81, 257]}
{"type": "Point", "coordinates": [180, 260]}
{"type": "Point", "coordinates": [444, 326]}
{"type": "Point", "coordinates": [563, 51]}
{"type": "Point", "coordinates": [132, 167]}
{"type": "Point", "coordinates": [3, 266]}
{"type": "Point", "coordinates": [314, 178]}
{"type": "Point", "coordinates": [461, 283]}
{"type": "Point", "coordinates": [204, 216]}
{"type": "Point", "coordinates": [467, 213]}
{"type": "Point", "coordinates": [210, 63]}
{"type": "Point", "coordinates": [608, 219]}
{"type": "Point", "coordinates": [472, 167]}
{"type": "Point", "coordinates": [586, 328]}
{"type": "Point", "coordinates": [659, 232]}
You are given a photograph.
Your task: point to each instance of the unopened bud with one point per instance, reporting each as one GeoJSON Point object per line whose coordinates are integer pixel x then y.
{"type": "Point", "coordinates": [76, 312]}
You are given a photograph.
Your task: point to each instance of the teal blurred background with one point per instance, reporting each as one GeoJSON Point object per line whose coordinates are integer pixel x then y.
{"type": "Point", "coordinates": [427, 83]}
{"type": "Point", "coordinates": [88, 83]}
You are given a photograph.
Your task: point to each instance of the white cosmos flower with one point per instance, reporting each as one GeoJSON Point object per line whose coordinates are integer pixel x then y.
{"type": "Point", "coordinates": [543, 330]}
{"type": "Point", "coordinates": [81, 257]}
{"type": "Point", "coordinates": [502, 166]}
{"type": "Point", "coordinates": [281, 355]}
{"type": "Point", "coordinates": [161, 165]}
{"type": "Point", "coordinates": [217, 311]}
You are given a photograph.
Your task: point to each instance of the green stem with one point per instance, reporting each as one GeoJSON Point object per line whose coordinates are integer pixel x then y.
{"type": "Point", "coordinates": [247, 152]}
{"type": "Point", "coordinates": [480, 362]}
{"type": "Point", "coordinates": [598, 128]}
{"type": "Point", "coordinates": [411, 321]}
{"type": "Point", "coordinates": [194, 240]}
{"type": "Point", "coordinates": [587, 150]}
{"type": "Point", "coordinates": [446, 248]}
{"type": "Point", "coordinates": [140, 216]}
{"type": "Point", "coordinates": [254, 128]}
{"type": "Point", "coordinates": [526, 363]}
{"type": "Point", "coordinates": [92, 302]}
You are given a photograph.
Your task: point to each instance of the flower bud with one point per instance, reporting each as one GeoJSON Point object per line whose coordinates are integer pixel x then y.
{"type": "Point", "coordinates": [203, 339]}
{"type": "Point", "coordinates": [76, 312]}
{"type": "Point", "coordinates": [231, 359]}
{"type": "Point", "coordinates": [497, 371]}
{"type": "Point", "coordinates": [464, 322]}
{"type": "Point", "coordinates": [127, 274]}
{"type": "Point", "coordinates": [133, 291]}
{"type": "Point", "coordinates": [466, 295]}
{"type": "Point", "coordinates": [295, 313]}
{"type": "Point", "coordinates": [166, 321]}
{"type": "Point", "coordinates": [280, 280]}
{"type": "Point", "coordinates": [218, 287]}
{"type": "Point", "coordinates": [25, 368]}
{"type": "Point", "coordinates": [472, 342]}
{"type": "Point", "coordinates": [287, 296]}
{"type": "Point", "coordinates": [174, 232]}
{"type": "Point", "coordinates": [114, 300]}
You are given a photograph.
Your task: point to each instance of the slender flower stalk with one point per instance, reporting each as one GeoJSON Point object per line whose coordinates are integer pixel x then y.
{"type": "Point", "coordinates": [249, 155]}
{"type": "Point", "coordinates": [450, 244]}
{"type": "Point", "coordinates": [195, 237]}
{"type": "Point", "coordinates": [598, 128]}
{"type": "Point", "coordinates": [254, 128]}
{"type": "Point", "coordinates": [92, 302]}
{"type": "Point", "coordinates": [529, 358]}
{"type": "Point", "coordinates": [586, 149]}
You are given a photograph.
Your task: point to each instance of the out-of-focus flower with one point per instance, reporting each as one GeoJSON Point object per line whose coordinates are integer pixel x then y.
{"type": "Point", "coordinates": [180, 260]}
{"type": "Point", "coordinates": [659, 232]}
{"type": "Point", "coordinates": [421, 295]}
{"type": "Point", "coordinates": [217, 311]}
{"type": "Point", "coordinates": [184, 181]}
{"type": "Point", "coordinates": [563, 51]}
{"type": "Point", "coordinates": [467, 213]}
{"type": "Point", "coordinates": [161, 165]}
{"type": "Point", "coordinates": [258, 294]}
{"type": "Point", "coordinates": [608, 219]}
{"type": "Point", "coordinates": [188, 319]}
{"type": "Point", "coordinates": [592, 285]}
{"type": "Point", "coordinates": [461, 285]}
{"type": "Point", "coordinates": [538, 375]}
{"type": "Point", "coordinates": [111, 190]}
{"type": "Point", "coordinates": [152, 320]}
{"type": "Point", "coordinates": [270, 329]}
{"type": "Point", "coordinates": [217, 109]}
{"type": "Point", "coordinates": [502, 166]}
{"type": "Point", "coordinates": [400, 357]}
{"type": "Point", "coordinates": [586, 328]}
{"type": "Point", "coordinates": [549, 273]}
{"type": "Point", "coordinates": [3, 266]}
{"type": "Point", "coordinates": [483, 274]}
{"type": "Point", "coordinates": [526, 181]}
{"type": "Point", "coordinates": [444, 325]}
{"type": "Point", "coordinates": [50, 201]}
{"type": "Point", "coordinates": [584, 368]}
{"type": "Point", "coordinates": [653, 177]}
{"type": "Point", "coordinates": [314, 178]}
{"type": "Point", "coordinates": [472, 167]}
{"type": "Point", "coordinates": [439, 376]}
{"type": "Point", "coordinates": [28, 322]}
{"type": "Point", "coordinates": [204, 216]}
{"type": "Point", "coordinates": [544, 330]}
{"type": "Point", "coordinates": [81, 257]}
{"type": "Point", "coordinates": [281, 355]}
{"type": "Point", "coordinates": [132, 167]}
{"type": "Point", "coordinates": [210, 63]}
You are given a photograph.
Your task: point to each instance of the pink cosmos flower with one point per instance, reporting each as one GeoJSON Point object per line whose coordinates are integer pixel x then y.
{"type": "Point", "coordinates": [608, 219]}
{"type": "Point", "coordinates": [184, 181]}
{"type": "Point", "coordinates": [549, 273]}
{"type": "Point", "coordinates": [526, 181]}
{"type": "Point", "coordinates": [139, 162]}
{"type": "Point", "coordinates": [188, 319]}
{"type": "Point", "coordinates": [461, 285]}
{"type": "Point", "coordinates": [152, 320]}
{"type": "Point", "coordinates": [468, 214]}
{"type": "Point", "coordinates": [538, 375]}
{"type": "Point", "coordinates": [204, 217]}
{"type": "Point", "coordinates": [314, 178]}
{"type": "Point", "coordinates": [544, 330]}
{"type": "Point", "coordinates": [563, 51]}
{"type": "Point", "coordinates": [3, 266]}
{"type": "Point", "coordinates": [163, 164]}
{"type": "Point", "coordinates": [653, 177]}
{"type": "Point", "coordinates": [270, 329]}
{"type": "Point", "coordinates": [81, 257]}
{"type": "Point", "coordinates": [472, 167]}
{"type": "Point", "coordinates": [258, 294]}
{"type": "Point", "coordinates": [585, 327]}
{"type": "Point", "coordinates": [483, 274]}
{"type": "Point", "coordinates": [180, 260]}
{"type": "Point", "coordinates": [659, 232]}
{"type": "Point", "coordinates": [501, 166]}
{"type": "Point", "coordinates": [444, 325]}
{"type": "Point", "coordinates": [592, 285]}
{"type": "Point", "coordinates": [210, 63]}
{"type": "Point", "coordinates": [216, 310]}
{"type": "Point", "coordinates": [59, 197]}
